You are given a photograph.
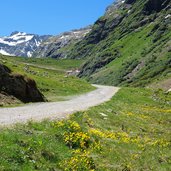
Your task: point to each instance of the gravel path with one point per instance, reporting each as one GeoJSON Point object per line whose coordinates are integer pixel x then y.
{"type": "Point", "coordinates": [56, 110]}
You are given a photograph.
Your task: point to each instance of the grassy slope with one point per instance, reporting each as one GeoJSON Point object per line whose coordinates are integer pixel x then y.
{"type": "Point", "coordinates": [63, 65]}
{"type": "Point", "coordinates": [139, 41]}
{"type": "Point", "coordinates": [52, 82]}
{"type": "Point", "coordinates": [156, 67]}
{"type": "Point", "coordinates": [130, 132]}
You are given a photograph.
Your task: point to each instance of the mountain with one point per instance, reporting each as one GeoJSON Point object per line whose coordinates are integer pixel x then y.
{"type": "Point", "coordinates": [129, 45]}
{"type": "Point", "coordinates": [20, 44]}
{"type": "Point", "coordinates": [58, 46]}
{"type": "Point", "coordinates": [31, 45]}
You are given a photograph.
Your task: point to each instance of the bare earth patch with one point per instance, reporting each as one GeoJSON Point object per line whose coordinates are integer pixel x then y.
{"type": "Point", "coordinates": [8, 100]}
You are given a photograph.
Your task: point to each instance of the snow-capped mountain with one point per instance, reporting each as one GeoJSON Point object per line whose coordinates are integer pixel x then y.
{"type": "Point", "coordinates": [20, 44]}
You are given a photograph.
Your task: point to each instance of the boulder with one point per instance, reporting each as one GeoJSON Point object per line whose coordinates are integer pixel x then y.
{"type": "Point", "coordinates": [19, 86]}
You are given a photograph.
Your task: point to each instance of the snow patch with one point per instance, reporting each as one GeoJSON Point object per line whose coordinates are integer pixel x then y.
{"type": "Point", "coordinates": [169, 15]}
{"type": "Point", "coordinates": [64, 37]}
{"type": "Point", "coordinates": [37, 43]}
{"type": "Point", "coordinates": [29, 37]}
{"type": "Point", "coordinates": [15, 36]}
{"type": "Point", "coordinates": [3, 52]}
{"type": "Point", "coordinates": [129, 11]}
{"type": "Point", "coordinates": [16, 39]}
{"type": "Point", "coordinates": [29, 54]}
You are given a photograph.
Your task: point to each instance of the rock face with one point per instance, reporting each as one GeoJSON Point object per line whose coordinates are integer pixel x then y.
{"type": "Point", "coordinates": [20, 44]}
{"type": "Point", "coordinates": [6, 99]}
{"type": "Point", "coordinates": [130, 1]}
{"type": "Point", "coordinates": [21, 87]}
{"type": "Point", "coordinates": [58, 46]}
{"type": "Point", "coordinates": [155, 5]}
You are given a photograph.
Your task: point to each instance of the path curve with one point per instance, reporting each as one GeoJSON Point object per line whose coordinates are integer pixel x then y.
{"type": "Point", "coordinates": [56, 110]}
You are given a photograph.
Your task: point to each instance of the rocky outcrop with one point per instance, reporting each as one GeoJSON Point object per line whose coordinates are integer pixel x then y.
{"type": "Point", "coordinates": [6, 99]}
{"type": "Point", "coordinates": [155, 5]}
{"type": "Point", "coordinates": [130, 1]}
{"type": "Point", "coordinates": [19, 86]}
{"type": "Point", "coordinates": [102, 28]}
{"type": "Point", "coordinates": [58, 46]}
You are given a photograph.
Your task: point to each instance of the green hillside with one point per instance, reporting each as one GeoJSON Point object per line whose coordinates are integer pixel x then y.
{"type": "Point", "coordinates": [50, 76]}
{"type": "Point", "coordinates": [129, 45]}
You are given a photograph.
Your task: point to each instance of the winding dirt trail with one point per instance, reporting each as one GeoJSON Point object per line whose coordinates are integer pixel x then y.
{"type": "Point", "coordinates": [56, 110]}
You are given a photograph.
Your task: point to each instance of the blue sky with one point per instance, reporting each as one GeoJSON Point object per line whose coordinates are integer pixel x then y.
{"type": "Point", "coordinates": [49, 16]}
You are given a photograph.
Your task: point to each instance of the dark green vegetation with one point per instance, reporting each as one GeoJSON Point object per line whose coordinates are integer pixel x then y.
{"type": "Point", "coordinates": [129, 45]}
{"type": "Point", "coordinates": [130, 132]}
{"type": "Point", "coordinates": [50, 76]}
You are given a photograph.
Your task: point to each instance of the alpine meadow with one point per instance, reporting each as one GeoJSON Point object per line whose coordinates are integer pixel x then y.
{"type": "Point", "coordinates": [96, 98]}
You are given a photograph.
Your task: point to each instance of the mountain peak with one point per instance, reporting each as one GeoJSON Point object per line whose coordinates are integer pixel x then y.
{"type": "Point", "coordinates": [20, 44]}
{"type": "Point", "coordinates": [19, 33]}
{"type": "Point", "coordinates": [14, 33]}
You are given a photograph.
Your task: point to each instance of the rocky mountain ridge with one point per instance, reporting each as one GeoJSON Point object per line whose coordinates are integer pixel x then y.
{"type": "Point", "coordinates": [31, 45]}
{"type": "Point", "coordinates": [20, 44]}
{"type": "Point", "coordinates": [58, 46]}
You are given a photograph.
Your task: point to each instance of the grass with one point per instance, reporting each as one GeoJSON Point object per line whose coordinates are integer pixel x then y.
{"type": "Point", "coordinates": [63, 64]}
{"type": "Point", "coordinates": [152, 59]}
{"type": "Point", "coordinates": [135, 52]}
{"type": "Point", "coordinates": [130, 132]}
{"type": "Point", "coordinates": [50, 76]}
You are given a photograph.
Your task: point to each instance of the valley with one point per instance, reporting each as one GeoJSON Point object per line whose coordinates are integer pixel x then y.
{"type": "Point", "coordinates": [91, 99]}
{"type": "Point", "coordinates": [53, 81]}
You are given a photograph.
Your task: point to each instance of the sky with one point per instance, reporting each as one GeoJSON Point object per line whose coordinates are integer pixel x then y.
{"type": "Point", "coordinates": [49, 17]}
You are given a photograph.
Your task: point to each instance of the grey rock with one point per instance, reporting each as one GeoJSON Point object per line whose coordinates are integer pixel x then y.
{"type": "Point", "coordinates": [20, 44]}
{"type": "Point", "coordinates": [57, 46]}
